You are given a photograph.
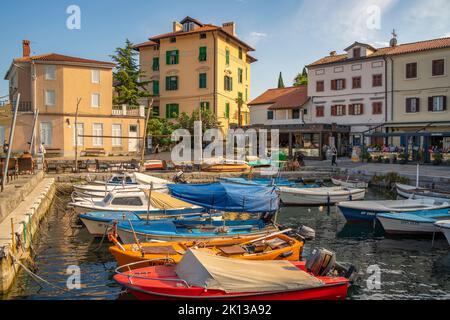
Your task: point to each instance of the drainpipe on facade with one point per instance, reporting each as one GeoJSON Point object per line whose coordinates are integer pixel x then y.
{"type": "Point", "coordinates": [215, 74]}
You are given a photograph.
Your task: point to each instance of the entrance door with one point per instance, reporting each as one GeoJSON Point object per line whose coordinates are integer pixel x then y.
{"type": "Point", "coordinates": [133, 143]}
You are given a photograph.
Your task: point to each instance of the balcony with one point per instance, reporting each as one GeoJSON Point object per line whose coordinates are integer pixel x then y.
{"type": "Point", "coordinates": [127, 111]}
{"type": "Point", "coordinates": [24, 106]}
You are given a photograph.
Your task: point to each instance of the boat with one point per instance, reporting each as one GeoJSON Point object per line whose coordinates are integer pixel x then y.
{"type": "Point", "coordinates": [444, 227]}
{"type": "Point", "coordinates": [98, 223]}
{"type": "Point", "coordinates": [117, 179]}
{"type": "Point", "coordinates": [203, 276]}
{"type": "Point", "coordinates": [155, 165]}
{"type": "Point", "coordinates": [347, 182]}
{"type": "Point", "coordinates": [136, 202]}
{"type": "Point", "coordinates": [256, 162]}
{"type": "Point", "coordinates": [259, 181]}
{"type": "Point", "coordinates": [413, 223]}
{"type": "Point", "coordinates": [368, 210]}
{"type": "Point", "coordinates": [412, 192]}
{"type": "Point", "coordinates": [319, 196]}
{"type": "Point", "coordinates": [225, 165]}
{"type": "Point", "coordinates": [191, 230]}
{"type": "Point", "coordinates": [277, 246]}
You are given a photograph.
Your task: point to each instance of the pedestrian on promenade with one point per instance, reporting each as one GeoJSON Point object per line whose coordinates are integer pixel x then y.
{"type": "Point", "coordinates": [5, 147]}
{"type": "Point", "coordinates": [334, 156]}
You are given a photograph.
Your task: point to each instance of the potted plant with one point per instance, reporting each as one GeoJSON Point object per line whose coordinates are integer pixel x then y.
{"type": "Point", "coordinates": [437, 159]}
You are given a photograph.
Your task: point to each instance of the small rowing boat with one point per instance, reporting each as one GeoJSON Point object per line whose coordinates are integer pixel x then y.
{"type": "Point", "coordinates": [347, 182]}
{"type": "Point", "coordinates": [155, 165]}
{"type": "Point", "coordinates": [222, 165]}
{"type": "Point", "coordinates": [444, 227]}
{"type": "Point", "coordinates": [368, 210]}
{"type": "Point", "coordinates": [319, 196]}
{"type": "Point", "coordinates": [411, 192]}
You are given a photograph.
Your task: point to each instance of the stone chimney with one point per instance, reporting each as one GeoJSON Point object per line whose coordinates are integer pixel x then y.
{"type": "Point", "coordinates": [177, 26]}
{"type": "Point", "coordinates": [230, 28]}
{"type": "Point", "coordinates": [333, 53]}
{"type": "Point", "coordinates": [26, 48]}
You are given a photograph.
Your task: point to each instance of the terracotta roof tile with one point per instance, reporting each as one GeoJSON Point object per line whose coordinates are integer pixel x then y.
{"type": "Point", "coordinates": [271, 96]}
{"type": "Point", "coordinates": [145, 44]}
{"type": "Point", "coordinates": [292, 100]}
{"type": "Point", "coordinates": [54, 57]}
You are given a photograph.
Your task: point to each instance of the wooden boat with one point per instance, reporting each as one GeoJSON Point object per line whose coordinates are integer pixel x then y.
{"type": "Point", "coordinates": [444, 227]}
{"type": "Point", "coordinates": [368, 210]}
{"type": "Point", "coordinates": [155, 165]}
{"type": "Point", "coordinates": [273, 247]}
{"type": "Point", "coordinates": [347, 182]}
{"type": "Point", "coordinates": [319, 196]}
{"type": "Point", "coordinates": [202, 276]}
{"type": "Point", "coordinates": [413, 223]}
{"type": "Point", "coordinates": [192, 230]}
{"type": "Point", "coordinates": [411, 192]}
{"type": "Point", "coordinates": [222, 165]}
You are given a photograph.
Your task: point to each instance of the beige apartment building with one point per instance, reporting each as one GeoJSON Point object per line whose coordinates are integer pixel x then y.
{"type": "Point", "coordinates": [51, 86]}
{"type": "Point", "coordinates": [198, 66]}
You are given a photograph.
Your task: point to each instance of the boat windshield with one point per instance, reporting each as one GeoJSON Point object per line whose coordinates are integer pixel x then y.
{"type": "Point", "coordinates": [108, 198]}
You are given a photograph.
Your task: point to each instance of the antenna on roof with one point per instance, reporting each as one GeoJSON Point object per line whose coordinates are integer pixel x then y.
{"type": "Point", "coordinates": [394, 41]}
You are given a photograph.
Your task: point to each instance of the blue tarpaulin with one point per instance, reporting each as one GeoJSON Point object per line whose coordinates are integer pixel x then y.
{"type": "Point", "coordinates": [228, 197]}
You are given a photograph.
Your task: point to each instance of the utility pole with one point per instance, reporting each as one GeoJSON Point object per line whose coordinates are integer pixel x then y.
{"type": "Point", "coordinates": [76, 135]}
{"type": "Point", "coordinates": [11, 141]}
{"type": "Point", "coordinates": [147, 119]}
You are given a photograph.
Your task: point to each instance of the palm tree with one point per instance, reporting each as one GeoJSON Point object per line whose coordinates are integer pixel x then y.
{"type": "Point", "coordinates": [240, 103]}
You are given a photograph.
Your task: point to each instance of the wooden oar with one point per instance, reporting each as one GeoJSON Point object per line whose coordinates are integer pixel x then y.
{"type": "Point", "coordinates": [268, 236]}
{"type": "Point", "coordinates": [134, 235]}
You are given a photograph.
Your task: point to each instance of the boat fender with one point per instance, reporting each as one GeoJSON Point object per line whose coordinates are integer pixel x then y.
{"type": "Point", "coordinates": [306, 233]}
{"type": "Point", "coordinates": [321, 262]}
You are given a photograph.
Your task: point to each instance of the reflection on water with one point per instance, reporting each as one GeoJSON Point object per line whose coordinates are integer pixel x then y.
{"type": "Point", "coordinates": [411, 269]}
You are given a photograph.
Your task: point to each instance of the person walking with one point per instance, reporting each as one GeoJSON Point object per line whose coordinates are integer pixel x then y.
{"type": "Point", "coordinates": [334, 156]}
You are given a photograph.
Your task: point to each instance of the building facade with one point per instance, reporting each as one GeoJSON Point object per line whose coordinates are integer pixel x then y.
{"type": "Point", "coordinates": [53, 85]}
{"type": "Point", "coordinates": [198, 66]}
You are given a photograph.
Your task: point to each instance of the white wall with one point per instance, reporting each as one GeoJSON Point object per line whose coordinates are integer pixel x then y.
{"type": "Point", "coordinates": [258, 116]}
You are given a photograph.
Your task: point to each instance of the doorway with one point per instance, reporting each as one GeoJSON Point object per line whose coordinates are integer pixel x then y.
{"type": "Point", "coordinates": [133, 142]}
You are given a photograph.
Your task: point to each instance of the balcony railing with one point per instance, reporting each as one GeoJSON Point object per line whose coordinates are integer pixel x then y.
{"type": "Point", "coordinates": [24, 106]}
{"type": "Point", "coordinates": [124, 110]}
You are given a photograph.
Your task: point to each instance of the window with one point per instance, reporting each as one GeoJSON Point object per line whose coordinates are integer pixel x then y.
{"type": "Point", "coordinates": [117, 135]}
{"type": "Point", "coordinates": [356, 83]}
{"type": "Point", "coordinates": [202, 56]}
{"type": "Point", "coordinates": [412, 105]}
{"type": "Point", "coordinates": [240, 53]}
{"type": "Point", "coordinates": [411, 70]}
{"type": "Point", "coordinates": [172, 57]}
{"type": "Point", "coordinates": [95, 100]}
{"type": "Point", "coordinates": [356, 53]}
{"type": "Point", "coordinates": [296, 114]}
{"type": "Point", "coordinates": [270, 115]}
{"type": "Point", "coordinates": [50, 72]}
{"type": "Point", "coordinates": [437, 104]}
{"type": "Point", "coordinates": [320, 111]}
{"type": "Point", "coordinates": [155, 66]}
{"type": "Point", "coordinates": [228, 83]}
{"type": "Point", "coordinates": [377, 108]}
{"type": "Point", "coordinates": [202, 79]}
{"type": "Point", "coordinates": [97, 133]}
{"type": "Point", "coordinates": [240, 75]}
{"type": "Point", "coordinates": [338, 110]}
{"type": "Point", "coordinates": [172, 83]}
{"type": "Point", "coordinates": [78, 134]}
{"type": "Point", "coordinates": [377, 80]}
{"type": "Point", "coordinates": [95, 76]}
{"type": "Point", "coordinates": [320, 86]}
{"type": "Point", "coordinates": [128, 201]}
{"type": "Point", "coordinates": [246, 94]}
{"type": "Point", "coordinates": [173, 40]}
{"type": "Point", "coordinates": [202, 35]}
{"type": "Point", "coordinates": [156, 87]}
{"type": "Point", "coordinates": [46, 133]}
{"type": "Point", "coordinates": [227, 110]}
{"type": "Point", "coordinates": [338, 84]}
{"type": "Point", "coordinates": [155, 111]}
{"type": "Point", "coordinates": [50, 97]}
{"type": "Point", "coordinates": [172, 111]}
{"type": "Point", "coordinates": [204, 105]}
{"type": "Point", "coordinates": [356, 109]}
{"type": "Point", "coordinates": [438, 67]}
{"type": "Point", "coordinates": [227, 56]}
{"type": "Point", "coordinates": [240, 96]}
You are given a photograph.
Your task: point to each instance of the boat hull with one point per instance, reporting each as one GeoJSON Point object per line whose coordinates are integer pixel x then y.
{"type": "Point", "coordinates": [350, 183]}
{"type": "Point", "coordinates": [96, 228]}
{"type": "Point", "coordinates": [293, 196]}
{"type": "Point", "coordinates": [351, 214]}
{"type": "Point", "coordinates": [444, 227]}
{"type": "Point", "coordinates": [394, 226]}
{"type": "Point", "coordinates": [410, 192]}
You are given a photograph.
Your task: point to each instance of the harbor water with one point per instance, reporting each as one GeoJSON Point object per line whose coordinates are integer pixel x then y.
{"type": "Point", "coordinates": [409, 268]}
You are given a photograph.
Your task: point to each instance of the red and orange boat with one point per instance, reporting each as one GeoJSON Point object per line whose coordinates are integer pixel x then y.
{"type": "Point", "coordinates": [202, 276]}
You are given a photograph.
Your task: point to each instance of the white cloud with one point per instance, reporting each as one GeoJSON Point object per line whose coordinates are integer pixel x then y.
{"type": "Point", "coordinates": [431, 14]}
{"type": "Point", "coordinates": [255, 37]}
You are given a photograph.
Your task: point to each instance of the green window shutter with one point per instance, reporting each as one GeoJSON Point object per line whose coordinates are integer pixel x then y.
{"type": "Point", "coordinates": [155, 111]}
{"type": "Point", "coordinates": [202, 54]}
{"type": "Point", "coordinates": [231, 84]}
{"type": "Point", "coordinates": [155, 64]}
{"type": "Point", "coordinates": [246, 94]}
{"type": "Point", "coordinates": [167, 83]}
{"type": "Point", "coordinates": [240, 73]}
{"type": "Point", "coordinates": [156, 87]}
{"type": "Point", "coordinates": [175, 110]}
{"type": "Point", "coordinates": [167, 111]}
{"type": "Point", "coordinates": [168, 57]}
{"type": "Point", "coordinates": [177, 56]}
{"type": "Point", "coordinates": [204, 105]}
{"type": "Point", "coordinates": [227, 56]}
{"type": "Point", "coordinates": [202, 80]}
{"type": "Point", "coordinates": [227, 110]}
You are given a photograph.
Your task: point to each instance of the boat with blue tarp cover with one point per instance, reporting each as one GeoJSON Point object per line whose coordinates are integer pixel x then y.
{"type": "Point", "coordinates": [280, 182]}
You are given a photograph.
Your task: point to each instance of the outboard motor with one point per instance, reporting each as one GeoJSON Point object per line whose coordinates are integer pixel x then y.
{"type": "Point", "coordinates": [319, 183]}
{"type": "Point", "coordinates": [179, 178]}
{"type": "Point", "coordinates": [306, 233]}
{"type": "Point", "coordinates": [321, 262]}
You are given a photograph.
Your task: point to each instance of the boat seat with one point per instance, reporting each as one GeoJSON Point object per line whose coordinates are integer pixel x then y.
{"type": "Point", "coordinates": [276, 244]}
{"type": "Point", "coordinates": [159, 250]}
{"type": "Point", "coordinates": [232, 250]}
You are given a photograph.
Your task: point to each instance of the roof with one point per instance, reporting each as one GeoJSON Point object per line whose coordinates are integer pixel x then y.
{"type": "Point", "coordinates": [55, 57]}
{"type": "Point", "coordinates": [292, 100]}
{"type": "Point", "coordinates": [420, 46]}
{"type": "Point", "coordinates": [360, 44]}
{"type": "Point", "coordinates": [271, 96]}
{"type": "Point", "coordinates": [145, 44]}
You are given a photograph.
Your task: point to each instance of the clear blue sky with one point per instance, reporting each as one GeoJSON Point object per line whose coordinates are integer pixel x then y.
{"type": "Point", "coordinates": [287, 34]}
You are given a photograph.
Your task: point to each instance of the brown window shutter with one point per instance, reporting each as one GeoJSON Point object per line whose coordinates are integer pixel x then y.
{"type": "Point", "coordinates": [362, 109]}
{"type": "Point", "coordinates": [343, 83]}
{"type": "Point", "coordinates": [417, 104]}
{"type": "Point", "coordinates": [445, 103]}
{"type": "Point", "coordinates": [344, 112]}
{"type": "Point", "coordinates": [333, 84]}
{"type": "Point", "coordinates": [408, 105]}
{"type": "Point", "coordinates": [351, 109]}
{"type": "Point", "coordinates": [333, 110]}
{"type": "Point", "coordinates": [430, 103]}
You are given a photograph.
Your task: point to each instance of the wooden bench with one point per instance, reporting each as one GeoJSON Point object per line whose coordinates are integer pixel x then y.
{"type": "Point", "coordinates": [93, 152]}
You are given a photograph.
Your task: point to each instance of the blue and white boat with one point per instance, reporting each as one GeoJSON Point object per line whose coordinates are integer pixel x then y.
{"type": "Point", "coordinates": [368, 210]}
{"type": "Point", "coordinates": [413, 223]}
{"type": "Point", "coordinates": [444, 227]}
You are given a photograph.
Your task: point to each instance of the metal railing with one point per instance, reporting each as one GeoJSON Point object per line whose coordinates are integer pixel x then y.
{"type": "Point", "coordinates": [24, 106]}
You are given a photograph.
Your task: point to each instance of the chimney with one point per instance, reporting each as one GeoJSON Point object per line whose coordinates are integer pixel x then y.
{"type": "Point", "coordinates": [332, 53]}
{"type": "Point", "coordinates": [177, 26]}
{"type": "Point", "coordinates": [230, 28]}
{"type": "Point", "coordinates": [26, 48]}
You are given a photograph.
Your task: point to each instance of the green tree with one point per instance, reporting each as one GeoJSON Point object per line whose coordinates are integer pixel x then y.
{"type": "Point", "coordinates": [126, 77]}
{"type": "Point", "coordinates": [240, 103]}
{"type": "Point", "coordinates": [161, 131]}
{"type": "Point", "coordinates": [301, 79]}
{"type": "Point", "coordinates": [209, 120]}
{"type": "Point", "coordinates": [280, 81]}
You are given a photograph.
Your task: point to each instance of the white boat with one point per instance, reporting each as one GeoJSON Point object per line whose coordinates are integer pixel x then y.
{"type": "Point", "coordinates": [412, 192]}
{"type": "Point", "coordinates": [349, 183]}
{"type": "Point", "coordinates": [319, 196]}
{"type": "Point", "coordinates": [368, 210]}
{"type": "Point", "coordinates": [444, 227]}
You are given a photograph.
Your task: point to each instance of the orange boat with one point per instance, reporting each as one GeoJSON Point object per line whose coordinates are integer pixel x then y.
{"type": "Point", "coordinates": [271, 247]}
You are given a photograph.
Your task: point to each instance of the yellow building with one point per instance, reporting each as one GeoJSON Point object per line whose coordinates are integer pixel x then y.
{"type": "Point", "coordinates": [52, 84]}
{"type": "Point", "coordinates": [198, 66]}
